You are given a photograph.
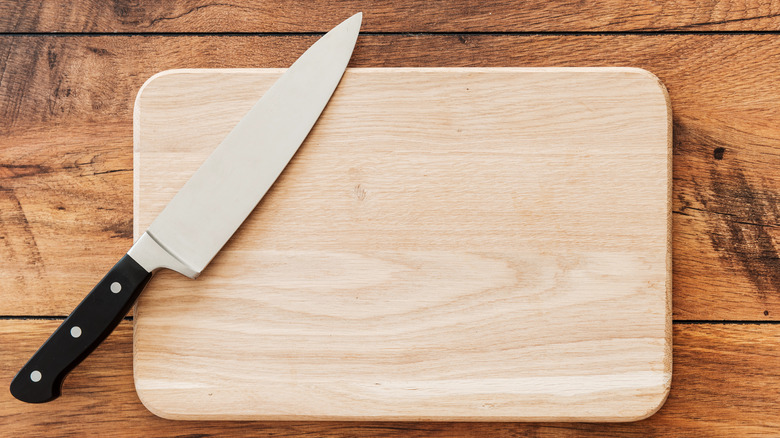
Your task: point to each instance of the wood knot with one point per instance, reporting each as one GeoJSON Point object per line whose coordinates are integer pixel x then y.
{"type": "Point", "coordinates": [360, 192]}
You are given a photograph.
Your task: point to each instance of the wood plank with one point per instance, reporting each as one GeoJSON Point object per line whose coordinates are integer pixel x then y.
{"type": "Point", "coordinates": [725, 384]}
{"type": "Point", "coordinates": [403, 242]}
{"type": "Point", "coordinates": [66, 122]}
{"type": "Point", "coordinates": [387, 16]}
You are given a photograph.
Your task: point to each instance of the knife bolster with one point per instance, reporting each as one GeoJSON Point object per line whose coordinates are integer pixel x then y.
{"type": "Point", "coordinates": [152, 256]}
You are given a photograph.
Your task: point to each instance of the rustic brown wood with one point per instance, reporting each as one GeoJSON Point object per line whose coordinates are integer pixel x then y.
{"type": "Point", "coordinates": [66, 157]}
{"type": "Point", "coordinates": [725, 384]}
{"type": "Point", "coordinates": [387, 16]}
{"type": "Point", "coordinates": [66, 175]}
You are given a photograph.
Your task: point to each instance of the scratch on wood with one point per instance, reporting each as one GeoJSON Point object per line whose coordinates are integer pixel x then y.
{"type": "Point", "coordinates": [112, 171]}
{"type": "Point", "coordinates": [98, 51]}
{"type": "Point", "coordinates": [188, 12]}
{"type": "Point", "coordinates": [52, 57]}
{"type": "Point", "coordinates": [9, 171]}
{"type": "Point", "coordinates": [16, 232]}
{"type": "Point", "coordinates": [730, 20]}
{"type": "Point", "coordinates": [122, 229]}
{"type": "Point", "coordinates": [742, 233]}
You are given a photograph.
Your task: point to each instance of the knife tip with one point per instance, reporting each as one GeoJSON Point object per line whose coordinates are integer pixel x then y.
{"type": "Point", "coordinates": [350, 26]}
{"type": "Point", "coordinates": [357, 17]}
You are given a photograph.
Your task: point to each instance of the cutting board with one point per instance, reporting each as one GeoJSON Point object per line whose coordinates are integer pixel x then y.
{"type": "Point", "coordinates": [469, 244]}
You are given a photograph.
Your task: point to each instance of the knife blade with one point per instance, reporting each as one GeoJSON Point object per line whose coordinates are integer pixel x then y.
{"type": "Point", "coordinates": [205, 212]}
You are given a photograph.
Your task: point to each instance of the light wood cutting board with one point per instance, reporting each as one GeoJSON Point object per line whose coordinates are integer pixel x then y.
{"type": "Point", "coordinates": [448, 244]}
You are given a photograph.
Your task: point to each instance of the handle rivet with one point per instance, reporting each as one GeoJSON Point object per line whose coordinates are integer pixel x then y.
{"type": "Point", "coordinates": [35, 376]}
{"type": "Point", "coordinates": [116, 287]}
{"type": "Point", "coordinates": [75, 331]}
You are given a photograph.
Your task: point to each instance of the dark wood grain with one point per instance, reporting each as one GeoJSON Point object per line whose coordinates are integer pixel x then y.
{"type": "Point", "coordinates": [66, 148]}
{"type": "Point", "coordinates": [725, 384]}
{"type": "Point", "coordinates": [388, 16]}
{"type": "Point", "coordinates": [66, 178]}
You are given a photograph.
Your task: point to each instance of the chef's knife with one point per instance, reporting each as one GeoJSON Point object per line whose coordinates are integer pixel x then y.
{"type": "Point", "coordinates": [203, 215]}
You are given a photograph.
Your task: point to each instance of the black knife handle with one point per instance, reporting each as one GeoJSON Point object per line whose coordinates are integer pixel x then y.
{"type": "Point", "coordinates": [40, 380]}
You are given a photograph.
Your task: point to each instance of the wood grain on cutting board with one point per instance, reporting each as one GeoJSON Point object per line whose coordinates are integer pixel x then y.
{"type": "Point", "coordinates": [448, 244]}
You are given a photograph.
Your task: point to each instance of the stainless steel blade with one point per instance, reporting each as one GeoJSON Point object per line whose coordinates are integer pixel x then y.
{"type": "Point", "coordinates": [203, 215]}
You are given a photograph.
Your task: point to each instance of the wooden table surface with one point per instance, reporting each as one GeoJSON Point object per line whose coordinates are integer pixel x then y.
{"type": "Point", "coordinates": [69, 72]}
